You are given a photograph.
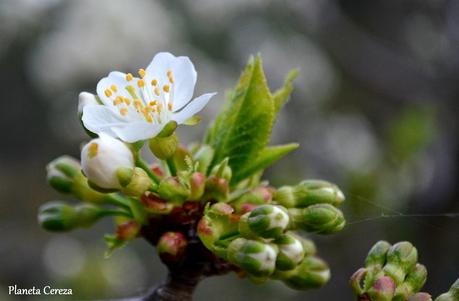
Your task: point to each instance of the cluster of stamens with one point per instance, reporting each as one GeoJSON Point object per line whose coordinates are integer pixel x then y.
{"type": "Point", "coordinates": [148, 101]}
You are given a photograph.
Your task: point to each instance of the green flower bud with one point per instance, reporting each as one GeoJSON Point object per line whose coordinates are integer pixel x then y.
{"type": "Point", "coordinates": [254, 257]}
{"type": "Point", "coordinates": [171, 189]}
{"type": "Point", "coordinates": [401, 258]}
{"type": "Point", "coordinates": [452, 294]}
{"type": "Point", "coordinates": [319, 218]}
{"type": "Point", "coordinates": [307, 193]}
{"type": "Point", "coordinates": [356, 281]}
{"type": "Point", "coordinates": [127, 230]}
{"type": "Point", "coordinates": [222, 170]}
{"type": "Point", "coordinates": [413, 282]}
{"type": "Point", "coordinates": [267, 221]}
{"type": "Point", "coordinates": [57, 216]}
{"type": "Point", "coordinates": [217, 222]}
{"type": "Point", "coordinates": [248, 201]}
{"type": "Point", "coordinates": [197, 186]}
{"type": "Point", "coordinates": [312, 272]}
{"type": "Point", "coordinates": [64, 175]}
{"type": "Point", "coordinates": [216, 189]}
{"type": "Point", "coordinates": [291, 252]}
{"type": "Point", "coordinates": [139, 182]}
{"type": "Point", "coordinates": [180, 155]}
{"type": "Point", "coordinates": [164, 145]}
{"type": "Point", "coordinates": [308, 246]}
{"type": "Point", "coordinates": [383, 289]}
{"type": "Point", "coordinates": [204, 156]}
{"type": "Point", "coordinates": [171, 247]}
{"type": "Point", "coordinates": [102, 157]}
{"type": "Point", "coordinates": [377, 254]}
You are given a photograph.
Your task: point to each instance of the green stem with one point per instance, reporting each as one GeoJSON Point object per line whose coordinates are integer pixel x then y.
{"type": "Point", "coordinates": [171, 166]}
{"type": "Point", "coordinates": [144, 165]}
{"type": "Point", "coordinates": [115, 212]}
{"type": "Point", "coordinates": [118, 200]}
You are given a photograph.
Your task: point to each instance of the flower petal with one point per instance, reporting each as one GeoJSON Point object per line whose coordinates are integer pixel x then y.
{"type": "Point", "coordinates": [114, 78]}
{"type": "Point", "coordinates": [192, 108]}
{"type": "Point", "coordinates": [184, 81]}
{"type": "Point", "coordinates": [183, 73]}
{"type": "Point", "coordinates": [100, 119]}
{"type": "Point", "coordinates": [135, 131]}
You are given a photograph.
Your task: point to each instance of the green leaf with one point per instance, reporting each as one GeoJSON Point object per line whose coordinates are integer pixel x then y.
{"type": "Point", "coordinates": [266, 158]}
{"type": "Point", "coordinates": [243, 128]}
{"type": "Point", "coordinates": [281, 96]}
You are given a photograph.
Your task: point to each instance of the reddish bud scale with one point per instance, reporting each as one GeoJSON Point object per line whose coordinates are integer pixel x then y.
{"type": "Point", "coordinates": [247, 207]}
{"type": "Point", "coordinates": [127, 230]}
{"type": "Point", "coordinates": [188, 213]}
{"type": "Point", "coordinates": [154, 204]}
{"type": "Point", "coordinates": [204, 228]}
{"type": "Point", "coordinates": [265, 193]}
{"type": "Point", "coordinates": [156, 169]}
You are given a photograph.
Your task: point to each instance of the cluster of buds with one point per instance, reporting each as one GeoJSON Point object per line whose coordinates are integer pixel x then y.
{"type": "Point", "coordinates": [256, 231]}
{"type": "Point", "coordinates": [391, 272]}
{"type": "Point", "coordinates": [452, 294]}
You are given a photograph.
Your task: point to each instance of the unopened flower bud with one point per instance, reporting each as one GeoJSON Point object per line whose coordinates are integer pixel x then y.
{"type": "Point", "coordinates": [252, 256]}
{"type": "Point", "coordinates": [401, 258]}
{"type": "Point", "coordinates": [307, 193]}
{"type": "Point", "coordinates": [312, 272]}
{"type": "Point", "coordinates": [204, 156]}
{"type": "Point", "coordinates": [377, 254]}
{"type": "Point", "coordinates": [171, 189]}
{"type": "Point", "coordinates": [291, 252]}
{"type": "Point", "coordinates": [197, 186]}
{"type": "Point", "coordinates": [383, 289]}
{"type": "Point", "coordinates": [182, 158]}
{"type": "Point", "coordinates": [102, 157]}
{"type": "Point", "coordinates": [267, 221]}
{"type": "Point", "coordinates": [413, 282]}
{"type": "Point", "coordinates": [171, 247]}
{"type": "Point", "coordinates": [57, 216]}
{"type": "Point", "coordinates": [163, 146]}
{"type": "Point", "coordinates": [134, 182]}
{"type": "Point", "coordinates": [452, 294]}
{"type": "Point", "coordinates": [128, 230]}
{"type": "Point", "coordinates": [61, 173]}
{"type": "Point", "coordinates": [319, 218]}
{"type": "Point", "coordinates": [217, 189]}
{"type": "Point", "coordinates": [249, 200]}
{"type": "Point", "coordinates": [222, 170]}
{"type": "Point", "coordinates": [356, 281]}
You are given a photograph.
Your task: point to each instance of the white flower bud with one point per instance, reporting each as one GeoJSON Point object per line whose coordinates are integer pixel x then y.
{"type": "Point", "coordinates": [102, 157]}
{"type": "Point", "coordinates": [85, 99]}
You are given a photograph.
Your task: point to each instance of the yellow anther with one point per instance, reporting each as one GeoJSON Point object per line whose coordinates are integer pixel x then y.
{"type": "Point", "coordinates": [108, 92]}
{"type": "Point", "coordinates": [123, 111]}
{"type": "Point", "coordinates": [166, 88]}
{"type": "Point", "coordinates": [118, 100]}
{"type": "Point", "coordinates": [148, 118]}
{"type": "Point", "coordinates": [154, 82]}
{"type": "Point", "coordinates": [137, 103]}
{"type": "Point", "coordinates": [140, 83]}
{"type": "Point", "coordinates": [127, 101]}
{"type": "Point", "coordinates": [129, 77]}
{"type": "Point", "coordinates": [169, 72]}
{"type": "Point", "coordinates": [171, 79]}
{"type": "Point", "coordinates": [157, 91]}
{"type": "Point", "coordinates": [92, 150]}
{"type": "Point", "coordinates": [169, 106]}
{"type": "Point", "coordinates": [142, 73]}
{"type": "Point", "coordinates": [153, 103]}
{"type": "Point", "coordinates": [114, 88]}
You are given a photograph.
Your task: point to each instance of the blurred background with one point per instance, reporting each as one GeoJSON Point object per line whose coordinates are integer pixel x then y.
{"type": "Point", "coordinates": [374, 109]}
